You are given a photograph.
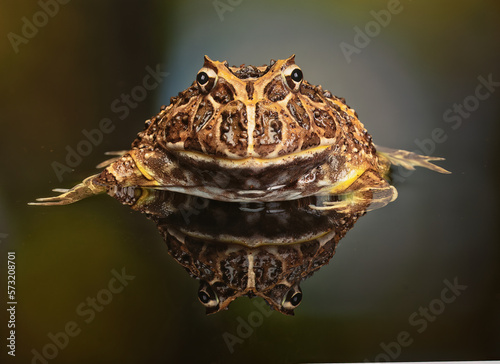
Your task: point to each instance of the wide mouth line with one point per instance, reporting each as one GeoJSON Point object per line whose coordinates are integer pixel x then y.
{"type": "Point", "coordinates": [303, 154]}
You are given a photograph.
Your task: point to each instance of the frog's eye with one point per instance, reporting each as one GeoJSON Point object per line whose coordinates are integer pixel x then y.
{"type": "Point", "coordinates": [207, 296]}
{"type": "Point", "coordinates": [293, 77]}
{"type": "Point", "coordinates": [292, 298]}
{"type": "Point", "coordinates": [206, 79]}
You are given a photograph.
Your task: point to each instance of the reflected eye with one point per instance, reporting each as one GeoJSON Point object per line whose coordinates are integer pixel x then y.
{"type": "Point", "coordinates": [206, 79]}
{"type": "Point", "coordinates": [207, 296]}
{"type": "Point", "coordinates": [292, 298]}
{"type": "Point", "coordinates": [204, 297]}
{"type": "Point", "coordinates": [293, 77]}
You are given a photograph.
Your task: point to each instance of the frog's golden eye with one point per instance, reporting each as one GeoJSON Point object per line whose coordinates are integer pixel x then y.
{"type": "Point", "coordinates": [206, 79]}
{"type": "Point", "coordinates": [292, 298]}
{"type": "Point", "coordinates": [207, 296]}
{"type": "Point", "coordinates": [293, 77]}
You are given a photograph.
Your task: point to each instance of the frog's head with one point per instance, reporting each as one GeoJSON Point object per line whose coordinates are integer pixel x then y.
{"type": "Point", "coordinates": [270, 272]}
{"type": "Point", "coordinates": [267, 112]}
{"type": "Point", "coordinates": [227, 270]}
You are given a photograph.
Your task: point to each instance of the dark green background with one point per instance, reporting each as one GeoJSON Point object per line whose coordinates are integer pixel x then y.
{"type": "Point", "coordinates": [427, 58]}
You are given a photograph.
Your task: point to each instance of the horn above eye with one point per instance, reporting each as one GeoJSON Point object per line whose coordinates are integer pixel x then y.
{"type": "Point", "coordinates": [206, 79]}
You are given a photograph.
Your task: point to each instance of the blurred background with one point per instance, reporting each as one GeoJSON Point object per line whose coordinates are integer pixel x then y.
{"type": "Point", "coordinates": [422, 76]}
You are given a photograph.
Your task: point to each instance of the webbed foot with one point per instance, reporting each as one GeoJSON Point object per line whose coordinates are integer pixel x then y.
{"type": "Point", "coordinates": [410, 160]}
{"type": "Point", "coordinates": [88, 187]}
{"type": "Point", "coordinates": [79, 192]}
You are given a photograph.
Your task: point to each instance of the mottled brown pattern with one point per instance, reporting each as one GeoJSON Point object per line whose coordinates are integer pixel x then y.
{"type": "Point", "coordinates": [233, 128]}
{"type": "Point", "coordinates": [178, 174]}
{"type": "Point", "coordinates": [310, 91]}
{"type": "Point", "coordinates": [294, 135]}
{"type": "Point", "coordinates": [223, 92]}
{"type": "Point", "coordinates": [180, 254]}
{"type": "Point", "coordinates": [106, 178]}
{"type": "Point", "coordinates": [243, 72]}
{"type": "Point", "coordinates": [185, 96]}
{"type": "Point", "coordinates": [298, 112]}
{"type": "Point", "coordinates": [202, 116]}
{"type": "Point", "coordinates": [250, 90]}
{"type": "Point", "coordinates": [267, 133]}
{"type": "Point", "coordinates": [276, 89]}
{"type": "Point", "coordinates": [325, 122]}
{"type": "Point", "coordinates": [233, 270]}
{"type": "Point", "coordinates": [312, 141]}
{"type": "Point", "coordinates": [176, 127]}
{"type": "Point", "coordinates": [267, 269]}
{"type": "Point", "coordinates": [193, 144]}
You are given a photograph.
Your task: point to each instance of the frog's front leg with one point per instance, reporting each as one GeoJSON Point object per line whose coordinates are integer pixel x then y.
{"type": "Point", "coordinates": [137, 168]}
{"type": "Point", "coordinates": [368, 192]}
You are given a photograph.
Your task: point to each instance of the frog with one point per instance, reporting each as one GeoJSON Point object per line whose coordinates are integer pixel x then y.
{"type": "Point", "coordinates": [247, 133]}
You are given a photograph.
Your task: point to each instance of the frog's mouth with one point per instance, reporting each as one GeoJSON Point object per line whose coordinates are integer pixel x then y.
{"type": "Point", "coordinates": [254, 173]}
{"type": "Point", "coordinates": [292, 159]}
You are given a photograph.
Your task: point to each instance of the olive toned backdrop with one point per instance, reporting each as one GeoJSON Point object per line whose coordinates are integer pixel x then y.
{"type": "Point", "coordinates": [84, 62]}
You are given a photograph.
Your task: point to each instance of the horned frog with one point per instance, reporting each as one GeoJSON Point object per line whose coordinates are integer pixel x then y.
{"type": "Point", "coordinates": [252, 134]}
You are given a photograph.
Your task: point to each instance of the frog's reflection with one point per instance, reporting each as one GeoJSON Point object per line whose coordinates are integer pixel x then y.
{"type": "Point", "coordinates": [253, 249]}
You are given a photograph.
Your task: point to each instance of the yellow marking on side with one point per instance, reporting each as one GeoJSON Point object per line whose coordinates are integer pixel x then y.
{"type": "Point", "coordinates": [341, 186]}
{"type": "Point", "coordinates": [147, 197]}
{"type": "Point", "coordinates": [143, 170]}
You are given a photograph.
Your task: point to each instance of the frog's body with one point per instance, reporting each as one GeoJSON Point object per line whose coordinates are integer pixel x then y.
{"type": "Point", "coordinates": [251, 133]}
